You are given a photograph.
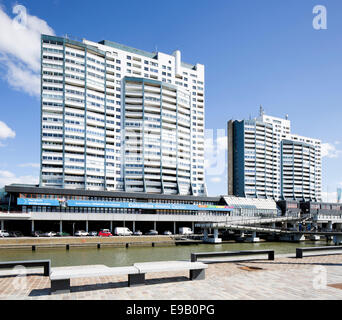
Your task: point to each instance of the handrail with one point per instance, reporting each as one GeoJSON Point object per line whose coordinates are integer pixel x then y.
{"type": "Point", "coordinates": [194, 256]}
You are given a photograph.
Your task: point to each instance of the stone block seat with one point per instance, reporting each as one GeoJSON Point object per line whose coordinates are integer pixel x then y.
{"type": "Point", "coordinates": [60, 276]}
{"type": "Point", "coordinates": [196, 269]}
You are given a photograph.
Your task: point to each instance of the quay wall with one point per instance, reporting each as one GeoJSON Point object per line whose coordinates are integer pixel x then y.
{"type": "Point", "coordinates": [21, 242]}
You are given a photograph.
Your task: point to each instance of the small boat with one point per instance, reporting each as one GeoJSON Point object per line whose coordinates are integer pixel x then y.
{"type": "Point", "coordinates": [315, 237]}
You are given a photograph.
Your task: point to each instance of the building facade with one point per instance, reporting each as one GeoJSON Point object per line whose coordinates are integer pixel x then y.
{"type": "Point", "coordinates": [29, 207]}
{"type": "Point", "coordinates": [120, 119]}
{"type": "Point", "coordinates": [266, 161]}
{"type": "Point", "coordinates": [255, 162]}
{"type": "Point", "coordinates": [300, 169]}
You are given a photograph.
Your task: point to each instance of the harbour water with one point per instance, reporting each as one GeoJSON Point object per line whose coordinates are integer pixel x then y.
{"type": "Point", "coordinates": [114, 257]}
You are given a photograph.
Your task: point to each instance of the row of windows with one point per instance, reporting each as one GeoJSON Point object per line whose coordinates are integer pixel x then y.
{"type": "Point", "coordinates": [122, 199]}
{"type": "Point", "coordinates": [116, 210]}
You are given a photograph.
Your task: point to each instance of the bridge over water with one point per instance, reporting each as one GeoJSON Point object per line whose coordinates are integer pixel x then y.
{"type": "Point", "coordinates": [253, 225]}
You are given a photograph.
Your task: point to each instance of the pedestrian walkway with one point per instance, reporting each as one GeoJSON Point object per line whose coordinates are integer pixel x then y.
{"type": "Point", "coordinates": [284, 278]}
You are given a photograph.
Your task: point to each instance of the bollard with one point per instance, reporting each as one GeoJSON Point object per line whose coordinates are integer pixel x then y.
{"type": "Point", "coordinates": [67, 247]}
{"type": "Point", "coordinates": [33, 248]}
{"type": "Point", "coordinates": [152, 244]}
{"type": "Point", "coordinates": [98, 246]}
{"type": "Point", "coordinates": [127, 245]}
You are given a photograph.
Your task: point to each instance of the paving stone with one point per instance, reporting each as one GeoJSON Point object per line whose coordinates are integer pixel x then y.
{"type": "Point", "coordinates": [284, 278]}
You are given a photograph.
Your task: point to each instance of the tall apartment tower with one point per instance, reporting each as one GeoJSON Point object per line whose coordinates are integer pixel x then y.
{"type": "Point", "coordinates": [253, 164]}
{"type": "Point", "coordinates": [120, 119]}
{"type": "Point", "coordinates": [301, 168]}
{"type": "Point", "coordinates": [266, 161]}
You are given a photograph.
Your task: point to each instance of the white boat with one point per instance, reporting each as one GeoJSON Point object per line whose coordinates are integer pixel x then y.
{"type": "Point", "coordinates": [315, 237]}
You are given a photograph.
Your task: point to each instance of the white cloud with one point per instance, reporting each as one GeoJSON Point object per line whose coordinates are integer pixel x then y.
{"type": "Point", "coordinates": [7, 177]}
{"type": "Point", "coordinates": [20, 51]}
{"type": "Point", "coordinates": [220, 144]}
{"type": "Point", "coordinates": [20, 77]}
{"type": "Point", "coordinates": [329, 196]}
{"type": "Point", "coordinates": [215, 152]}
{"type": "Point", "coordinates": [30, 164]}
{"type": "Point", "coordinates": [216, 179]}
{"type": "Point", "coordinates": [329, 150]}
{"type": "Point", "coordinates": [5, 132]}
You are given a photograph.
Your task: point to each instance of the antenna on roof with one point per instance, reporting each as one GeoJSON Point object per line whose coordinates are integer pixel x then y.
{"type": "Point", "coordinates": [261, 111]}
{"type": "Point", "coordinates": [286, 116]}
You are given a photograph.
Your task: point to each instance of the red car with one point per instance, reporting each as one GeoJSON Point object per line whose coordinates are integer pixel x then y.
{"type": "Point", "coordinates": [105, 233]}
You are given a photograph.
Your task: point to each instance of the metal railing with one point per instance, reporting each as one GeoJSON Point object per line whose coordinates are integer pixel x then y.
{"type": "Point", "coordinates": [195, 256]}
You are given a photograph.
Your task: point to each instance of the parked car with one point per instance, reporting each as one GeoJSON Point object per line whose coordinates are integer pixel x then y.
{"type": "Point", "coordinates": [50, 234]}
{"type": "Point", "coordinates": [37, 233]}
{"type": "Point", "coordinates": [167, 233]}
{"type": "Point", "coordinates": [81, 233]}
{"type": "Point", "coordinates": [122, 231]}
{"type": "Point", "coordinates": [152, 233]}
{"type": "Point", "coordinates": [105, 233]}
{"type": "Point", "coordinates": [137, 233]}
{"type": "Point", "coordinates": [15, 234]}
{"type": "Point", "coordinates": [63, 234]}
{"type": "Point", "coordinates": [4, 233]}
{"type": "Point", "coordinates": [92, 233]}
{"type": "Point", "coordinates": [185, 231]}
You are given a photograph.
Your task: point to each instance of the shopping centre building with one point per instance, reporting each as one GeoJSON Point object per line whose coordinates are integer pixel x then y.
{"type": "Point", "coordinates": [29, 207]}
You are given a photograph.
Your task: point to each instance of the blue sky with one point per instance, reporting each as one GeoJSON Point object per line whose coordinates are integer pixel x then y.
{"type": "Point", "coordinates": [254, 51]}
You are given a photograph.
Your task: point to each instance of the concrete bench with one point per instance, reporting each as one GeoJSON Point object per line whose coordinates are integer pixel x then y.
{"type": "Point", "coordinates": [197, 269]}
{"type": "Point", "coordinates": [28, 264]}
{"type": "Point", "coordinates": [300, 251]}
{"type": "Point", "coordinates": [60, 277]}
{"type": "Point", "coordinates": [195, 256]}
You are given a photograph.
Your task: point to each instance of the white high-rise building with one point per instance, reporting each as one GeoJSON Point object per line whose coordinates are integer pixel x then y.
{"type": "Point", "coordinates": [120, 119]}
{"type": "Point", "coordinates": [266, 161]}
{"type": "Point", "coordinates": [301, 165]}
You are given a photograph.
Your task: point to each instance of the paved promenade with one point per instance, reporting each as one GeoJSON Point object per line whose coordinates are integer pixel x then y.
{"type": "Point", "coordinates": [315, 277]}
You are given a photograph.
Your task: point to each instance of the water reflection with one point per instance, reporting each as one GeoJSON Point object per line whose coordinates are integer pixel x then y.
{"type": "Point", "coordinates": [114, 257]}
